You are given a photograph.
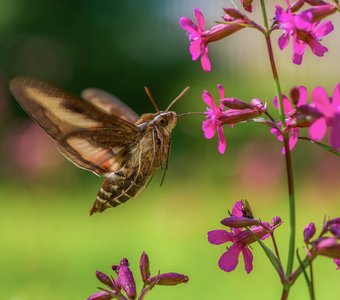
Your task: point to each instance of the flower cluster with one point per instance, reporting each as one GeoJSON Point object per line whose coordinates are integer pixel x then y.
{"type": "Point", "coordinates": [303, 27]}
{"type": "Point", "coordinates": [322, 113]}
{"type": "Point", "coordinates": [240, 239]}
{"type": "Point", "coordinates": [327, 243]}
{"type": "Point", "coordinates": [124, 287]}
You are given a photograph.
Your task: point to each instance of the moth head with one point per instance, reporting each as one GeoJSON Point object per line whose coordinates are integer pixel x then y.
{"type": "Point", "coordinates": [166, 119]}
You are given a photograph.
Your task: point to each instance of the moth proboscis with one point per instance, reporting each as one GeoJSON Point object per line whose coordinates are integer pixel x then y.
{"type": "Point", "coordinates": [99, 133]}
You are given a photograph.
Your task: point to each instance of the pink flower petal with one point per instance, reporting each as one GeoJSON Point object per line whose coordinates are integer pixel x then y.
{"type": "Point", "coordinates": [200, 19]}
{"type": "Point", "coordinates": [209, 128]}
{"type": "Point", "coordinates": [248, 259]}
{"type": "Point", "coordinates": [188, 25]}
{"type": "Point", "coordinates": [283, 41]}
{"type": "Point", "coordinates": [324, 29]}
{"type": "Point", "coordinates": [218, 237]}
{"type": "Point", "coordinates": [318, 129]}
{"type": "Point", "coordinates": [229, 260]}
{"type": "Point", "coordinates": [321, 101]}
{"type": "Point", "coordinates": [220, 90]}
{"type": "Point", "coordinates": [317, 48]}
{"type": "Point", "coordinates": [237, 209]}
{"type": "Point", "coordinates": [195, 49]}
{"type": "Point", "coordinates": [334, 137]}
{"type": "Point", "coordinates": [303, 95]}
{"type": "Point", "coordinates": [205, 61]}
{"type": "Point", "coordinates": [222, 143]}
{"type": "Point", "coordinates": [208, 99]}
{"type": "Point", "coordinates": [337, 262]}
{"type": "Point", "coordinates": [336, 97]}
{"type": "Point", "coordinates": [299, 50]}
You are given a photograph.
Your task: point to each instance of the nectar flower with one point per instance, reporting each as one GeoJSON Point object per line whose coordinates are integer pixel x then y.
{"type": "Point", "coordinates": [240, 240]}
{"type": "Point", "coordinates": [125, 278]}
{"type": "Point", "coordinates": [199, 37]}
{"type": "Point", "coordinates": [212, 122]}
{"type": "Point", "coordinates": [304, 31]}
{"type": "Point", "coordinates": [330, 110]}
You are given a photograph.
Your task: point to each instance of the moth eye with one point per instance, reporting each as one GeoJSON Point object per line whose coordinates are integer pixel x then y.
{"type": "Point", "coordinates": [162, 122]}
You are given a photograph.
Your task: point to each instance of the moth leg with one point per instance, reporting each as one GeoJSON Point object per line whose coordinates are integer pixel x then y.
{"type": "Point", "coordinates": [166, 164]}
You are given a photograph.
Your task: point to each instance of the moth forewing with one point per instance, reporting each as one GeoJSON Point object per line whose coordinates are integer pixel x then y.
{"type": "Point", "coordinates": [101, 135]}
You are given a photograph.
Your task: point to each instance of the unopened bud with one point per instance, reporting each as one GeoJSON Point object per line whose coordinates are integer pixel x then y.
{"type": "Point", "coordinates": [100, 296]}
{"type": "Point", "coordinates": [328, 247]}
{"type": "Point", "coordinates": [233, 14]}
{"type": "Point", "coordinates": [169, 279]}
{"type": "Point", "coordinates": [245, 237]}
{"type": "Point", "coordinates": [239, 222]}
{"type": "Point", "coordinates": [335, 230]}
{"type": "Point", "coordinates": [103, 278]}
{"type": "Point", "coordinates": [321, 11]}
{"type": "Point", "coordinates": [309, 232]}
{"type": "Point", "coordinates": [125, 278]}
{"type": "Point", "coordinates": [236, 103]}
{"type": "Point", "coordinates": [144, 267]}
{"type": "Point", "coordinates": [276, 221]}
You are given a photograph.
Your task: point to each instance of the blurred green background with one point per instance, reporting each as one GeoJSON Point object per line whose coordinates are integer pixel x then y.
{"type": "Point", "coordinates": [50, 247]}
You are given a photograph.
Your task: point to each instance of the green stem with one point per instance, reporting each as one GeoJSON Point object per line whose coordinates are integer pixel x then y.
{"type": "Point", "coordinates": [312, 280]}
{"type": "Point", "coordinates": [289, 167]}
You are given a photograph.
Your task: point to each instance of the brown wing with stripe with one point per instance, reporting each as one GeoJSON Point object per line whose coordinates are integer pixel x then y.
{"type": "Point", "coordinates": [85, 134]}
{"type": "Point", "coordinates": [109, 104]}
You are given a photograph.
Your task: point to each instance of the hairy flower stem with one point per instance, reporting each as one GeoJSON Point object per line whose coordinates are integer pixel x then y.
{"type": "Point", "coordinates": [288, 158]}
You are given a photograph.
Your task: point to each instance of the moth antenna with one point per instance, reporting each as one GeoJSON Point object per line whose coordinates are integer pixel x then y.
{"type": "Point", "coordinates": [191, 113]}
{"type": "Point", "coordinates": [151, 98]}
{"type": "Point", "coordinates": [178, 97]}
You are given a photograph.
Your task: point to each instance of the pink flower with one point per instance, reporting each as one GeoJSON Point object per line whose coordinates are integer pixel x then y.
{"type": "Point", "coordinates": [240, 240]}
{"type": "Point", "coordinates": [199, 37]}
{"type": "Point", "coordinates": [289, 111]}
{"type": "Point", "coordinates": [330, 110]}
{"type": "Point", "coordinates": [212, 122]}
{"type": "Point", "coordinates": [304, 30]}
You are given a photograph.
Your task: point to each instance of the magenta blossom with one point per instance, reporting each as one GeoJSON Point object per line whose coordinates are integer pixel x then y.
{"type": "Point", "coordinates": [212, 122]}
{"type": "Point", "coordinates": [330, 110]}
{"type": "Point", "coordinates": [337, 262]}
{"type": "Point", "coordinates": [289, 111]}
{"type": "Point", "coordinates": [240, 241]}
{"type": "Point", "coordinates": [304, 31]}
{"type": "Point", "coordinates": [199, 37]}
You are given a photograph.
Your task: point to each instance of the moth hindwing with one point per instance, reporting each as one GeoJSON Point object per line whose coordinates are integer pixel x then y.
{"type": "Point", "coordinates": [101, 134]}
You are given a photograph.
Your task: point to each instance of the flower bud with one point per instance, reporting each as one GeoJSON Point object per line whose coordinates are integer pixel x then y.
{"type": "Point", "coordinates": [335, 230]}
{"type": "Point", "coordinates": [320, 12]}
{"type": "Point", "coordinates": [169, 279]}
{"type": "Point", "coordinates": [103, 278]}
{"type": "Point", "coordinates": [236, 103]}
{"type": "Point", "coordinates": [125, 278]}
{"type": "Point", "coordinates": [276, 221]}
{"type": "Point", "coordinates": [233, 14]}
{"type": "Point", "coordinates": [309, 232]}
{"type": "Point", "coordinates": [144, 267]}
{"type": "Point", "coordinates": [328, 247]}
{"type": "Point", "coordinates": [239, 222]}
{"type": "Point", "coordinates": [100, 296]}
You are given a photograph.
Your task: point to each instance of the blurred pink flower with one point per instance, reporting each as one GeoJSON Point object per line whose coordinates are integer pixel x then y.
{"type": "Point", "coordinates": [31, 152]}
{"type": "Point", "coordinates": [199, 37]}
{"type": "Point", "coordinates": [304, 30]}
{"type": "Point", "coordinates": [330, 110]}
{"type": "Point", "coordinates": [212, 122]}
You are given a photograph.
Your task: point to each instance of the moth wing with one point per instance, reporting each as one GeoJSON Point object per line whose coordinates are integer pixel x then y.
{"type": "Point", "coordinates": [84, 134]}
{"type": "Point", "coordinates": [109, 104]}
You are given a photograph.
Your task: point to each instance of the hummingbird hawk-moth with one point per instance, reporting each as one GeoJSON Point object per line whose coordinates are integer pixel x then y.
{"type": "Point", "coordinates": [99, 133]}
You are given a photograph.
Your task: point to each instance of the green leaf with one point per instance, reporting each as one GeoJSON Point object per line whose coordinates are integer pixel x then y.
{"type": "Point", "coordinates": [309, 283]}
{"type": "Point", "coordinates": [324, 146]}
